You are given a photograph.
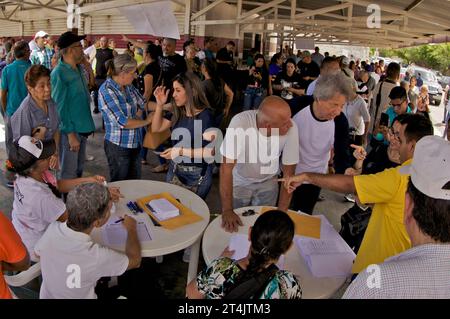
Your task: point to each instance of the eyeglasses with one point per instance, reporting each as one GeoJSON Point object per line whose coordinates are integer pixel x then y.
{"type": "Point", "coordinates": [394, 134]}
{"type": "Point", "coordinates": [399, 104]}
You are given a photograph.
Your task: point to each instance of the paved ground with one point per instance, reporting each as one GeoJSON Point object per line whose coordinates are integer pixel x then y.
{"type": "Point", "coordinates": [168, 279]}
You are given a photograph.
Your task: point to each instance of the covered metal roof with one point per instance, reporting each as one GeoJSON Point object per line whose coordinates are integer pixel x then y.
{"type": "Point", "coordinates": [401, 22]}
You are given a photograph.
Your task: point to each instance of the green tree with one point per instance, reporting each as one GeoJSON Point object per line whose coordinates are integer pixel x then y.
{"type": "Point", "coordinates": [435, 57]}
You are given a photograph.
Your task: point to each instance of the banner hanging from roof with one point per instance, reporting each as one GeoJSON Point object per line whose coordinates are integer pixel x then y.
{"type": "Point", "coordinates": [155, 19]}
{"type": "Point", "coordinates": [304, 44]}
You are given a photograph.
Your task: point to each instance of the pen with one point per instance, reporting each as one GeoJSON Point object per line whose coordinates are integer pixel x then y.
{"type": "Point", "coordinates": [154, 221]}
{"type": "Point", "coordinates": [136, 207]}
{"type": "Point", "coordinates": [131, 208]}
{"type": "Point", "coordinates": [119, 220]}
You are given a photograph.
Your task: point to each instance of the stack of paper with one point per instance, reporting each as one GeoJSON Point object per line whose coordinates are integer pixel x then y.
{"type": "Point", "coordinates": [240, 244]}
{"type": "Point", "coordinates": [326, 257]}
{"type": "Point", "coordinates": [116, 235]}
{"type": "Point", "coordinates": [163, 209]}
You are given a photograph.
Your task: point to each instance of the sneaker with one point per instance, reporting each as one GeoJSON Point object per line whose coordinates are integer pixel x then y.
{"type": "Point", "coordinates": [89, 158]}
{"type": "Point", "coordinates": [350, 198]}
{"type": "Point", "coordinates": [10, 184]}
{"type": "Point", "coordinates": [187, 255]}
{"type": "Point", "coordinates": [160, 168]}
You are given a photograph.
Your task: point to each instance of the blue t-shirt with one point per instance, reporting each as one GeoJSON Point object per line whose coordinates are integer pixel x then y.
{"type": "Point", "coordinates": [195, 126]}
{"type": "Point", "coordinates": [392, 115]}
{"type": "Point", "coordinates": [274, 69]}
{"type": "Point", "coordinates": [13, 81]}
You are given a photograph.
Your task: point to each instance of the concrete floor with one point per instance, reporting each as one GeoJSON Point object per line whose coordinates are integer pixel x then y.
{"type": "Point", "coordinates": [171, 274]}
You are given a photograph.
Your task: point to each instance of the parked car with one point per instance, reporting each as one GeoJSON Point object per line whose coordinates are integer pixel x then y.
{"type": "Point", "coordinates": [429, 78]}
{"type": "Point", "coordinates": [445, 80]}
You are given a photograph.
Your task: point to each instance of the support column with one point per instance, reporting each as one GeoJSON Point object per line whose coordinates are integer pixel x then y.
{"type": "Point", "coordinates": [238, 18]}
{"type": "Point", "coordinates": [73, 15]}
{"type": "Point", "coordinates": [187, 19]}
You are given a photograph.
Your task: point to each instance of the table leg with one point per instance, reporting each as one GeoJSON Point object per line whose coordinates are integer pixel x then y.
{"type": "Point", "coordinates": [193, 261]}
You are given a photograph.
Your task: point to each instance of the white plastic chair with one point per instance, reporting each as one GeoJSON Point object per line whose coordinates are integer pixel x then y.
{"type": "Point", "coordinates": [24, 277]}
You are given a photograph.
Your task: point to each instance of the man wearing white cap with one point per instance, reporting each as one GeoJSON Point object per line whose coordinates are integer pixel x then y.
{"type": "Point", "coordinates": [424, 270]}
{"type": "Point", "coordinates": [41, 54]}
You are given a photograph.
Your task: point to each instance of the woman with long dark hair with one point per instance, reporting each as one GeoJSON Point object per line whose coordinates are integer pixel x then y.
{"type": "Point", "coordinates": [217, 92]}
{"type": "Point", "coordinates": [257, 83]}
{"type": "Point", "coordinates": [190, 121]}
{"type": "Point", "coordinates": [271, 236]}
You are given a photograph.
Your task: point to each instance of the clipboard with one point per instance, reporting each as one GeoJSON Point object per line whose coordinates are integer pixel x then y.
{"type": "Point", "coordinates": [308, 226]}
{"type": "Point", "coordinates": [186, 217]}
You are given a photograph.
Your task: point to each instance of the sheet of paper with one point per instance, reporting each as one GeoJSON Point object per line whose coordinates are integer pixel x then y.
{"type": "Point", "coordinates": [240, 244]}
{"type": "Point", "coordinates": [329, 257]}
{"type": "Point", "coordinates": [116, 235]}
{"type": "Point", "coordinates": [305, 225]}
{"type": "Point", "coordinates": [155, 18]}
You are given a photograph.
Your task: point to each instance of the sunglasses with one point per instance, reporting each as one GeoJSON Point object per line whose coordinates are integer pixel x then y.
{"type": "Point", "coordinates": [249, 212]}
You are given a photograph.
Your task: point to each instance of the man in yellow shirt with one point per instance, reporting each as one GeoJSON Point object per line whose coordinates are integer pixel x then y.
{"type": "Point", "coordinates": [386, 235]}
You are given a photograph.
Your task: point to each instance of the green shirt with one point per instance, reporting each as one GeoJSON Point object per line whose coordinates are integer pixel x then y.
{"type": "Point", "coordinates": [14, 83]}
{"type": "Point", "coordinates": [71, 94]}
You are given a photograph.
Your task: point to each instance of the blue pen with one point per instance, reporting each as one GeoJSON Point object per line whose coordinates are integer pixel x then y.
{"type": "Point", "coordinates": [119, 220]}
{"type": "Point", "coordinates": [136, 207]}
{"type": "Point", "coordinates": [131, 208]}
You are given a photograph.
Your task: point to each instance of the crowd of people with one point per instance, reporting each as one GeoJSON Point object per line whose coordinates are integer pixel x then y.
{"type": "Point", "coordinates": [275, 132]}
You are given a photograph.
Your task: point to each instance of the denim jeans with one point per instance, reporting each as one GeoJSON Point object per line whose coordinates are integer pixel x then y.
{"type": "Point", "coordinates": [253, 98]}
{"type": "Point", "coordinates": [98, 83]}
{"type": "Point", "coordinates": [257, 194]}
{"type": "Point", "coordinates": [71, 163]}
{"type": "Point", "coordinates": [124, 163]}
{"type": "Point", "coordinates": [189, 175]}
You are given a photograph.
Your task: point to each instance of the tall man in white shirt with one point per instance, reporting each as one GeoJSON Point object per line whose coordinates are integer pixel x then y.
{"type": "Point", "coordinates": [254, 142]}
{"type": "Point", "coordinates": [316, 129]}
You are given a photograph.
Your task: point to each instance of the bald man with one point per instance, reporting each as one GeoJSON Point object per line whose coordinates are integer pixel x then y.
{"type": "Point", "coordinates": [251, 151]}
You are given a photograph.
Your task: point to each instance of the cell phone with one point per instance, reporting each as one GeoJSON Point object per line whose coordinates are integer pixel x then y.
{"type": "Point", "coordinates": [384, 120]}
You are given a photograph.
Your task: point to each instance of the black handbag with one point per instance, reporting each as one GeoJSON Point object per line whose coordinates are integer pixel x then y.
{"type": "Point", "coordinates": [354, 224]}
{"type": "Point", "coordinates": [193, 188]}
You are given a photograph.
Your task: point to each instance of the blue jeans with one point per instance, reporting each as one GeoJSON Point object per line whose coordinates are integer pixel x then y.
{"type": "Point", "coordinates": [124, 163]}
{"type": "Point", "coordinates": [253, 98]}
{"type": "Point", "coordinates": [71, 163]}
{"type": "Point", "coordinates": [189, 175]}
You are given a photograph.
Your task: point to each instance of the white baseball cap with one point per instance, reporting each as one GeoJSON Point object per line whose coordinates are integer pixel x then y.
{"type": "Point", "coordinates": [40, 34]}
{"type": "Point", "coordinates": [27, 150]}
{"type": "Point", "coordinates": [430, 167]}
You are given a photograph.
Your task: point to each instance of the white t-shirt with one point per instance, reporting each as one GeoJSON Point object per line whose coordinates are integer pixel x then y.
{"type": "Point", "coordinates": [257, 157]}
{"type": "Point", "coordinates": [316, 139]}
{"type": "Point", "coordinates": [65, 254]}
{"type": "Point", "coordinates": [357, 113]}
{"type": "Point", "coordinates": [34, 208]}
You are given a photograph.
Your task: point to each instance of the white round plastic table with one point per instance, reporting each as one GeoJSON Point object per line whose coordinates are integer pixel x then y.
{"type": "Point", "coordinates": [164, 241]}
{"type": "Point", "coordinates": [215, 239]}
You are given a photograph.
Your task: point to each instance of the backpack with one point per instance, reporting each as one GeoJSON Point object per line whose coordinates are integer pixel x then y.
{"type": "Point", "coordinates": [353, 226]}
{"type": "Point", "coordinates": [254, 286]}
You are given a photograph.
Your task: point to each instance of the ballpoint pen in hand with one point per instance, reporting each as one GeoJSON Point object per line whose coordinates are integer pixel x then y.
{"type": "Point", "coordinates": [119, 220]}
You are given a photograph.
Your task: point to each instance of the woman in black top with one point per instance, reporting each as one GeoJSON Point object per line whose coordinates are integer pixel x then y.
{"type": "Point", "coordinates": [217, 92]}
{"type": "Point", "coordinates": [287, 84]}
{"type": "Point", "coordinates": [257, 84]}
{"type": "Point", "coordinates": [147, 81]}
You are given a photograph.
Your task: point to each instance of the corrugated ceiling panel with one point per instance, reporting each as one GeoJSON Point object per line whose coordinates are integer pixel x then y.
{"type": "Point", "coordinates": [117, 24]}
{"type": "Point", "coordinates": [51, 26]}
{"type": "Point", "coordinates": [9, 29]}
